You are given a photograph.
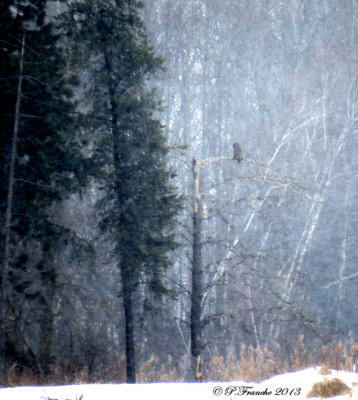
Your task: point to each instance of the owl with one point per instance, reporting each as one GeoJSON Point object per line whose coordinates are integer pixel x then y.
{"type": "Point", "coordinates": [237, 152]}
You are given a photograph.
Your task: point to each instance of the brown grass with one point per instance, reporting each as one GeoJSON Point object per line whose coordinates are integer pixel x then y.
{"type": "Point", "coordinates": [329, 388]}
{"type": "Point", "coordinates": [325, 370]}
{"type": "Point", "coordinates": [154, 371]}
{"type": "Point", "coordinates": [257, 364]}
{"type": "Point", "coordinates": [249, 364]}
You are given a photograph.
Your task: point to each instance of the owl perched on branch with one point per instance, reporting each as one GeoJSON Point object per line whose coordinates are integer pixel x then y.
{"type": "Point", "coordinates": [237, 152]}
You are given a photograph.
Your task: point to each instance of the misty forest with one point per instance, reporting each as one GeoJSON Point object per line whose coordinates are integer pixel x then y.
{"type": "Point", "coordinates": [178, 195]}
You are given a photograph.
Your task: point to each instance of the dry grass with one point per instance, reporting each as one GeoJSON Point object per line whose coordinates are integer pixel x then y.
{"type": "Point", "coordinates": [252, 364]}
{"type": "Point", "coordinates": [248, 364]}
{"type": "Point", "coordinates": [154, 371]}
{"type": "Point", "coordinates": [18, 376]}
{"type": "Point", "coordinates": [329, 388]}
{"type": "Point", "coordinates": [325, 370]}
{"type": "Point", "coordinates": [257, 364]}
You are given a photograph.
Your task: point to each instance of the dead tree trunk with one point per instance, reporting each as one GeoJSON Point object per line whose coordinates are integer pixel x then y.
{"type": "Point", "coordinates": [196, 290]}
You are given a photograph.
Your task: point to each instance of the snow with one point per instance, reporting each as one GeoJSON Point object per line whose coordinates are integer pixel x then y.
{"type": "Point", "coordinates": [189, 391]}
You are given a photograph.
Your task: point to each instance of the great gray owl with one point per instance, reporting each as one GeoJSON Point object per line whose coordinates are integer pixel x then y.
{"type": "Point", "coordinates": [237, 152]}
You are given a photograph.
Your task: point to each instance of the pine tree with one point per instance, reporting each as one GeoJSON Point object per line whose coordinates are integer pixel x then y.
{"type": "Point", "coordinates": [40, 164]}
{"type": "Point", "coordinates": [139, 207]}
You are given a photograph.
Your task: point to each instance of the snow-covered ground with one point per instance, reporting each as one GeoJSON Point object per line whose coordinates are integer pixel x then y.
{"type": "Point", "coordinates": [293, 385]}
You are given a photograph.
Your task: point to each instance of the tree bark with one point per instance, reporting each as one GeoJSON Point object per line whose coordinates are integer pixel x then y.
{"type": "Point", "coordinates": [8, 214]}
{"type": "Point", "coordinates": [196, 291]}
{"type": "Point", "coordinates": [129, 325]}
{"type": "Point", "coordinates": [47, 321]}
{"type": "Point", "coordinates": [45, 340]}
{"type": "Point", "coordinates": [127, 286]}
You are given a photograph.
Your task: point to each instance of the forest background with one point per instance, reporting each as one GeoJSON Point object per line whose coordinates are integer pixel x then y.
{"type": "Point", "coordinates": [115, 268]}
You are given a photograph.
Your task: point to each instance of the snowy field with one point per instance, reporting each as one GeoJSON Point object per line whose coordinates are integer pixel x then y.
{"type": "Point", "coordinates": [294, 385]}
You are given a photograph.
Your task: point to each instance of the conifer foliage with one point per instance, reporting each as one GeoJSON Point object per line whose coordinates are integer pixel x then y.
{"type": "Point", "coordinates": [140, 205]}
{"type": "Point", "coordinates": [40, 164]}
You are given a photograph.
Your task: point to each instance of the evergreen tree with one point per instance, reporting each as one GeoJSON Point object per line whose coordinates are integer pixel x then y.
{"type": "Point", "coordinates": [40, 163]}
{"type": "Point", "coordinates": [140, 205]}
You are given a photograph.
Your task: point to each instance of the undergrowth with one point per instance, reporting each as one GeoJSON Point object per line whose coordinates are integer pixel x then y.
{"type": "Point", "coordinates": [249, 364]}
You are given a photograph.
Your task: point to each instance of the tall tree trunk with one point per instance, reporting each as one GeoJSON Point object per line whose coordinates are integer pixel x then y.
{"type": "Point", "coordinates": [8, 214]}
{"type": "Point", "coordinates": [129, 324]}
{"type": "Point", "coordinates": [340, 309]}
{"type": "Point", "coordinates": [127, 285]}
{"type": "Point", "coordinates": [196, 291]}
{"type": "Point", "coordinates": [47, 321]}
{"type": "Point", "coordinates": [45, 339]}
{"type": "Point", "coordinates": [126, 277]}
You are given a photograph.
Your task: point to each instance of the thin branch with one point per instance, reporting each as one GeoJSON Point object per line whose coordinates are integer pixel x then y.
{"type": "Point", "coordinates": [346, 278]}
{"type": "Point", "coordinates": [34, 183]}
